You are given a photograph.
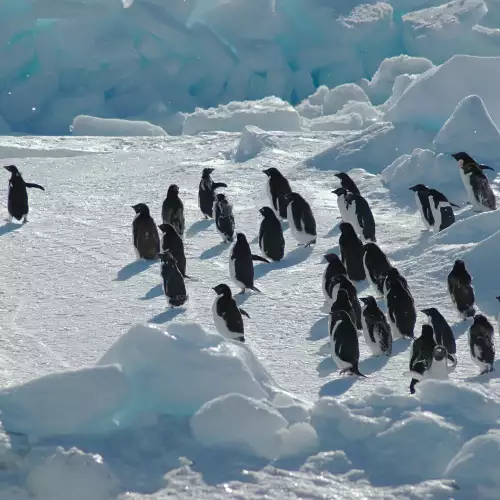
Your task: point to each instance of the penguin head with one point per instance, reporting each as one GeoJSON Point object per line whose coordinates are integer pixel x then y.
{"type": "Point", "coordinates": [241, 238]}
{"type": "Point", "coordinates": [419, 187]}
{"type": "Point", "coordinates": [346, 228]}
{"type": "Point", "coordinates": [266, 212]}
{"type": "Point", "coordinates": [167, 229]}
{"type": "Point", "coordinates": [342, 301]}
{"type": "Point", "coordinates": [464, 157]}
{"type": "Point", "coordinates": [222, 289]}
{"type": "Point", "coordinates": [340, 191]}
{"type": "Point", "coordinates": [369, 301]}
{"type": "Point", "coordinates": [292, 196]}
{"type": "Point", "coordinates": [459, 265]}
{"type": "Point", "coordinates": [207, 172]}
{"type": "Point", "coordinates": [342, 176]}
{"type": "Point", "coordinates": [332, 258]}
{"type": "Point", "coordinates": [271, 171]}
{"type": "Point", "coordinates": [335, 264]}
{"type": "Point", "coordinates": [498, 298]}
{"type": "Point", "coordinates": [173, 190]}
{"type": "Point", "coordinates": [480, 319]}
{"type": "Point", "coordinates": [430, 312]}
{"type": "Point", "coordinates": [12, 169]}
{"type": "Point", "coordinates": [141, 208]}
{"type": "Point", "coordinates": [439, 353]}
{"type": "Point", "coordinates": [393, 273]}
{"type": "Point", "coordinates": [220, 196]}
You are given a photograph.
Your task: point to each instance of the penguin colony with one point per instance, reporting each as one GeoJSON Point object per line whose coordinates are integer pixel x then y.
{"type": "Point", "coordinates": [432, 354]}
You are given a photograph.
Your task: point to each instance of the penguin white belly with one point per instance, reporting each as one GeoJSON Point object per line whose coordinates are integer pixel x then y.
{"type": "Point", "coordinates": [352, 218]}
{"type": "Point", "coordinates": [341, 365]}
{"type": "Point", "coordinates": [476, 206]}
{"type": "Point", "coordinates": [341, 206]}
{"type": "Point", "coordinates": [437, 213]}
{"type": "Point", "coordinates": [373, 346]}
{"type": "Point", "coordinates": [437, 371]}
{"type": "Point", "coordinates": [301, 236]}
{"type": "Point", "coordinates": [421, 211]}
{"type": "Point", "coordinates": [220, 324]}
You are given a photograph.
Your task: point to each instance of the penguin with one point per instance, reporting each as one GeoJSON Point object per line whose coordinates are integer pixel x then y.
{"type": "Point", "coordinates": [301, 219]}
{"type": "Point", "coordinates": [206, 192]}
{"type": "Point", "coordinates": [356, 210]}
{"type": "Point", "coordinates": [422, 199]}
{"type": "Point", "coordinates": [172, 210]}
{"type": "Point", "coordinates": [498, 317]}
{"type": "Point", "coordinates": [173, 281]}
{"type": "Point", "coordinates": [342, 301]}
{"type": "Point", "coordinates": [277, 187]}
{"type": "Point", "coordinates": [341, 281]}
{"type": "Point", "coordinates": [344, 339]}
{"type": "Point", "coordinates": [401, 310]}
{"type": "Point", "coordinates": [227, 315]}
{"type": "Point", "coordinates": [376, 329]}
{"type": "Point", "coordinates": [351, 252]}
{"type": "Point", "coordinates": [481, 344]}
{"type": "Point", "coordinates": [376, 266]}
{"type": "Point", "coordinates": [421, 352]}
{"type": "Point", "coordinates": [145, 235]}
{"type": "Point", "coordinates": [334, 268]}
{"type": "Point", "coordinates": [441, 210]}
{"type": "Point", "coordinates": [224, 218]}
{"type": "Point", "coordinates": [443, 334]}
{"type": "Point", "coordinates": [347, 183]}
{"type": "Point", "coordinates": [271, 240]}
{"type": "Point", "coordinates": [241, 264]}
{"type": "Point", "coordinates": [172, 241]}
{"type": "Point", "coordinates": [476, 183]}
{"type": "Point", "coordinates": [461, 290]}
{"type": "Point", "coordinates": [394, 275]}
{"type": "Point", "coordinates": [439, 368]}
{"type": "Point", "coordinates": [17, 199]}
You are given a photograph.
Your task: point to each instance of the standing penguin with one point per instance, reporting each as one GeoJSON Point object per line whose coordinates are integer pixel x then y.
{"type": "Point", "coordinates": [347, 183]}
{"type": "Point", "coordinates": [344, 339]}
{"type": "Point", "coordinates": [481, 344]}
{"type": "Point", "coordinates": [144, 233]}
{"type": "Point", "coordinates": [376, 266]}
{"type": "Point", "coordinates": [401, 310]}
{"type": "Point", "coordinates": [443, 334]}
{"type": "Point", "coordinates": [421, 352]}
{"type": "Point", "coordinates": [224, 218]}
{"type": "Point", "coordinates": [227, 315]}
{"type": "Point", "coordinates": [301, 219]}
{"type": "Point", "coordinates": [461, 290]}
{"type": "Point", "coordinates": [342, 302]}
{"type": "Point", "coordinates": [17, 200]}
{"type": "Point", "coordinates": [173, 281]}
{"type": "Point", "coordinates": [441, 210]}
{"type": "Point", "coordinates": [342, 282]}
{"type": "Point", "coordinates": [172, 210]}
{"type": "Point", "coordinates": [376, 329]}
{"type": "Point", "coordinates": [277, 188]}
{"type": "Point", "coordinates": [422, 199]}
{"type": "Point", "coordinates": [271, 240]}
{"type": "Point", "coordinates": [172, 241]}
{"type": "Point", "coordinates": [476, 183]}
{"type": "Point", "coordinates": [352, 252]}
{"type": "Point", "coordinates": [342, 203]}
{"type": "Point", "coordinates": [206, 192]}
{"type": "Point", "coordinates": [334, 268]}
{"type": "Point", "coordinates": [241, 264]}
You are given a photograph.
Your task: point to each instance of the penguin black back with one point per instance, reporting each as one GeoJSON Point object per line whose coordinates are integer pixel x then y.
{"type": "Point", "coordinates": [441, 208]}
{"type": "Point", "coordinates": [351, 252]}
{"type": "Point", "coordinates": [376, 329]}
{"type": "Point", "coordinates": [481, 343]}
{"type": "Point", "coordinates": [173, 281]}
{"type": "Point", "coordinates": [364, 216]}
{"type": "Point", "coordinates": [277, 187]}
{"type": "Point", "coordinates": [347, 183]}
{"type": "Point", "coordinates": [227, 315]}
{"type": "Point", "coordinates": [443, 334]}
{"type": "Point", "coordinates": [173, 242]}
{"type": "Point", "coordinates": [271, 240]}
{"type": "Point", "coordinates": [342, 282]}
{"type": "Point", "coordinates": [421, 354]}
{"type": "Point", "coordinates": [172, 211]}
{"type": "Point", "coordinates": [144, 233]}
{"type": "Point", "coordinates": [422, 198]}
{"type": "Point", "coordinates": [301, 219]}
{"type": "Point", "coordinates": [343, 302]}
{"type": "Point", "coordinates": [394, 275]}
{"type": "Point", "coordinates": [376, 265]}
{"type": "Point", "coordinates": [401, 310]}
{"type": "Point", "coordinates": [224, 218]}
{"type": "Point", "coordinates": [206, 192]}
{"type": "Point", "coordinates": [461, 290]}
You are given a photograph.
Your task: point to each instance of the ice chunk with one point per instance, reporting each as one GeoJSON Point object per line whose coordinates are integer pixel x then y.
{"type": "Point", "coordinates": [338, 97]}
{"type": "Point", "coordinates": [300, 438]}
{"type": "Point", "coordinates": [270, 113]}
{"type": "Point", "coordinates": [111, 127]}
{"type": "Point", "coordinates": [401, 83]}
{"type": "Point", "coordinates": [470, 128]}
{"type": "Point", "coordinates": [352, 121]}
{"type": "Point", "coordinates": [252, 141]}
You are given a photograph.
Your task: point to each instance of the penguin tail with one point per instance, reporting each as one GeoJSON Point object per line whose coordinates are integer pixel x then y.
{"type": "Point", "coordinates": [255, 289]}
{"type": "Point", "coordinates": [260, 259]}
{"type": "Point", "coordinates": [354, 370]}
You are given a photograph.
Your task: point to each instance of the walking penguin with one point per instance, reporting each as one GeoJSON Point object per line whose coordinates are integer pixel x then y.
{"type": "Point", "coordinates": [172, 241]}
{"type": "Point", "coordinates": [224, 218]}
{"type": "Point", "coordinates": [277, 187]}
{"type": "Point", "coordinates": [144, 233]}
{"type": "Point", "coordinates": [376, 329]}
{"type": "Point", "coordinates": [461, 290]}
{"type": "Point", "coordinates": [271, 240]}
{"type": "Point", "coordinates": [206, 193]}
{"type": "Point", "coordinates": [481, 344]}
{"type": "Point", "coordinates": [173, 281]}
{"type": "Point", "coordinates": [227, 315]}
{"type": "Point", "coordinates": [172, 211]}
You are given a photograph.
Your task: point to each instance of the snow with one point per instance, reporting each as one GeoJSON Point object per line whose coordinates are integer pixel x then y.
{"type": "Point", "coordinates": [92, 126]}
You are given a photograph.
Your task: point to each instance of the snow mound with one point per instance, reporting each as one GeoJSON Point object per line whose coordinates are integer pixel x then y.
{"type": "Point", "coordinates": [65, 403]}
{"type": "Point", "coordinates": [252, 141]}
{"type": "Point", "coordinates": [268, 114]}
{"type": "Point", "coordinates": [470, 128]}
{"type": "Point", "coordinates": [73, 475]}
{"type": "Point", "coordinates": [352, 121]}
{"type": "Point", "coordinates": [431, 99]}
{"type": "Point", "coordinates": [338, 97]}
{"type": "Point", "coordinates": [92, 126]}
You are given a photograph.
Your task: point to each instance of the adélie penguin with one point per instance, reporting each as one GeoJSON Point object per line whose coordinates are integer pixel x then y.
{"type": "Point", "coordinates": [422, 199]}
{"type": "Point", "coordinates": [172, 210]}
{"type": "Point", "coordinates": [376, 266]}
{"type": "Point", "coordinates": [224, 218]}
{"type": "Point", "coordinates": [344, 339]}
{"type": "Point", "coordinates": [241, 267]}
{"type": "Point", "coordinates": [227, 315]}
{"type": "Point", "coordinates": [461, 290]}
{"type": "Point", "coordinates": [481, 344]}
{"type": "Point", "coordinates": [352, 252]}
{"type": "Point", "coordinates": [443, 334]}
{"type": "Point", "coordinates": [421, 352]}
{"type": "Point", "coordinates": [206, 192]}
{"type": "Point", "coordinates": [173, 281]}
{"type": "Point", "coordinates": [334, 268]}
{"type": "Point", "coordinates": [441, 210]}
{"type": "Point", "coordinates": [277, 187]}
{"type": "Point", "coordinates": [394, 275]}
{"type": "Point", "coordinates": [171, 240]}
{"type": "Point", "coordinates": [347, 183]}
{"type": "Point", "coordinates": [301, 219]}
{"type": "Point", "coordinates": [17, 199]}
{"type": "Point", "coordinates": [271, 240]}
{"type": "Point", "coordinates": [476, 183]}
{"type": "Point", "coordinates": [401, 310]}
{"type": "Point", "coordinates": [376, 329]}
{"type": "Point", "coordinates": [342, 301]}
{"type": "Point", "coordinates": [145, 236]}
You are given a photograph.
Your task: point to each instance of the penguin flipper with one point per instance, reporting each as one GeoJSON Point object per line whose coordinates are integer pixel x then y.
{"type": "Point", "coordinates": [242, 311]}
{"type": "Point", "coordinates": [33, 185]}
{"type": "Point", "coordinates": [217, 185]}
{"type": "Point", "coordinates": [260, 259]}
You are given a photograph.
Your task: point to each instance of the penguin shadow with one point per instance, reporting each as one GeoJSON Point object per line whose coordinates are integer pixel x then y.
{"type": "Point", "coordinates": [167, 315]}
{"type": "Point", "coordinates": [197, 227]}
{"type": "Point", "coordinates": [156, 291]}
{"type": "Point", "coordinates": [461, 328]}
{"type": "Point", "coordinates": [319, 330]}
{"type": "Point", "coordinates": [241, 298]}
{"type": "Point", "coordinates": [486, 376]}
{"type": "Point", "coordinates": [292, 258]}
{"type": "Point", "coordinates": [333, 231]}
{"type": "Point", "coordinates": [9, 227]}
{"type": "Point", "coordinates": [215, 251]}
{"type": "Point", "coordinates": [255, 240]}
{"type": "Point", "coordinates": [134, 268]}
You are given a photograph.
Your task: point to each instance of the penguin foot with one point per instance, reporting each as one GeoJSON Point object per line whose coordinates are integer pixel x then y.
{"type": "Point", "coordinates": [25, 220]}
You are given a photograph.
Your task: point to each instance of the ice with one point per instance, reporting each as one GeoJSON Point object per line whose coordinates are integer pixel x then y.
{"type": "Point", "coordinates": [92, 126]}
{"type": "Point", "coordinates": [338, 97]}
{"type": "Point", "coordinates": [252, 141]}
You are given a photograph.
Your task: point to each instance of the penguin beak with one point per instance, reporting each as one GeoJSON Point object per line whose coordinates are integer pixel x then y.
{"type": "Point", "coordinates": [425, 311]}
